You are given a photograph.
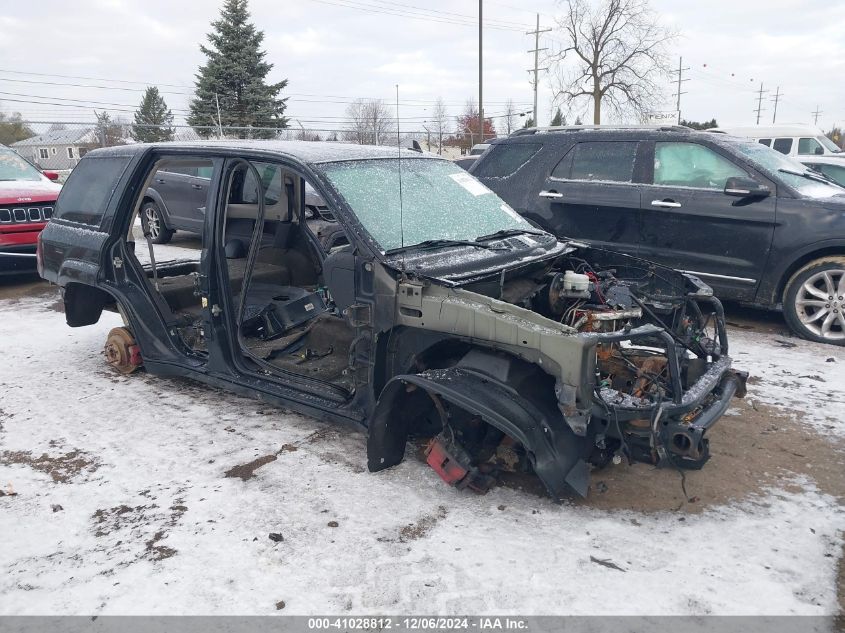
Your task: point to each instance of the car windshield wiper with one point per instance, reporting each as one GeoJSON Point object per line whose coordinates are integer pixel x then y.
{"type": "Point", "coordinates": [430, 244]}
{"type": "Point", "coordinates": [508, 233]}
{"type": "Point", "coordinates": [809, 176]}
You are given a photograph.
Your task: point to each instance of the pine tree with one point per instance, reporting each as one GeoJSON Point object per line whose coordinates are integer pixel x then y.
{"type": "Point", "coordinates": [152, 111]}
{"type": "Point", "coordinates": [558, 119]}
{"type": "Point", "coordinates": [578, 121]}
{"type": "Point", "coordinates": [235, 75]}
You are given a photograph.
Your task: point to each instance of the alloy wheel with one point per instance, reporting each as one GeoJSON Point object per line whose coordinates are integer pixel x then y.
{"type": "Point", "coordinates": [153, 223]}
{"type": "Point", "coordinates": [820, 304]}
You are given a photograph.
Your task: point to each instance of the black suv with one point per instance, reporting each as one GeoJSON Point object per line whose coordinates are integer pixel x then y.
{"type": "Point", "coordinates": [759, 227]}
{"type": "Point", "coordinates": [503, 347]}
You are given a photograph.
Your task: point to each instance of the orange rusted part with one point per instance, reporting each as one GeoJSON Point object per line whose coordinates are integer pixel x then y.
{"type": "Point", "coordinates": [121, 351]}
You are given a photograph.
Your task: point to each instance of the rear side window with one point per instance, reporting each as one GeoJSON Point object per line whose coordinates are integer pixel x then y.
{"type": "Point", "coordinates": [505, 160]}
{"type": "Point", "coordinates": [783, 145]}
{"type": "Point", "coordinates": [765, 141]}
{"type": "Point", "coordinates": [603, 160]}
{"type": "Point", "coordinates": [89, 188]}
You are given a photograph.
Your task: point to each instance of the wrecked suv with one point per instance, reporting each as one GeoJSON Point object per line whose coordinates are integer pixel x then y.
{"type": "Point", "coordinates": [442, 317]}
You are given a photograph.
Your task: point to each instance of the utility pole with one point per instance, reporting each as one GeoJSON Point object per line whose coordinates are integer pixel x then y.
{"type": "Point", "coordinates": [536, 50]}
{"type": "Point", "coordinates": [816, 114]}
{"type": "Point", "coordinates": [681, 79]}
{"type": "Point", "coordinates": [776, 98]}
{"type": "Point", "coordinates": [480, 76]}
{"type": "Point", "coordinates": [760, 107]}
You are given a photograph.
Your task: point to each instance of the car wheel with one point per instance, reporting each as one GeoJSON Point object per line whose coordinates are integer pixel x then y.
{"type": "Point", "coordinates": [814, 301]}
{"type": "Point", "coordinates": [153, 223]}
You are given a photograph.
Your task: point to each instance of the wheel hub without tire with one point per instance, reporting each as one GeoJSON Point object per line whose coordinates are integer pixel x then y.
{"type": "Point", "coordinates": [121, 351]}
{"type": "Point", "coordinates": [820, 304]}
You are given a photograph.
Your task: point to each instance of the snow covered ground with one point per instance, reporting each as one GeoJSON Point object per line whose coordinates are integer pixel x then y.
{"type": "Point", "coordinates": [121, 506]}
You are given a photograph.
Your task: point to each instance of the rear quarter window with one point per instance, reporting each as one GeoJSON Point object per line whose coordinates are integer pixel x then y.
{"type": "Point", "coordinates": [506, 159]}
{"type": "Point", "coordinates": [89, 188]}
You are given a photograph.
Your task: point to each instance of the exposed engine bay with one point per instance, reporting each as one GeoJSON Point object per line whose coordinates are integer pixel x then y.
{"type": "Point", "coordinates": [661, 378]}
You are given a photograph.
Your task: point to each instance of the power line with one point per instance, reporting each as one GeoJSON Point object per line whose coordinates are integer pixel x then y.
{"type": "Point", "coordinates": [291, 96]}
{"type": "Point", "coordinates": [361, 6]}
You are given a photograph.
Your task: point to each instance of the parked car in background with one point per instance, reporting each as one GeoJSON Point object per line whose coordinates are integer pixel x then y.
{"type": "Point", "coordinates": [757, 226]}
{"type": "Point", "coordinates": [176, 200]}
{"type": "Point", "coordinates": [27, 196]}
{"type": "Point", "coordinates": [498, 345]}
{"type": "Point", "coordinates": [831, 166]}
{"type": "Point", "coordinates": [792, 140]}
{"type": "Point", "coordinates": [467, 161]}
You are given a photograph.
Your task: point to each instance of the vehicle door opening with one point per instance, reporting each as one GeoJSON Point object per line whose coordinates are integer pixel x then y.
{"type": "Point", "coordinates": [284, 315]}
{"type": "Point", "coordinates": [172, 268]}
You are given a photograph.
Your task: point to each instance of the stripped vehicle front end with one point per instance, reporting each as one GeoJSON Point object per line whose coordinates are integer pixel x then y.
{"type": "Point", "coordinates": [555, 380]}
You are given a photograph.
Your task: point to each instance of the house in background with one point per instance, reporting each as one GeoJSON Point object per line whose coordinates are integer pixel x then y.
{"type": "Point", "coordinates": [57, 149]}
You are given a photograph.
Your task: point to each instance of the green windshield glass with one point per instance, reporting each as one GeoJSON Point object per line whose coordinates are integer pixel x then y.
{"type": "Point", "coordinates": [440, 201]}
{"type": "Point", "coordinates": [13, 167]}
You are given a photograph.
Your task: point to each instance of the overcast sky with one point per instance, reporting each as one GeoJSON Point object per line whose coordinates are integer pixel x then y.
{"type": "Point", "coordinates": [332, 53]}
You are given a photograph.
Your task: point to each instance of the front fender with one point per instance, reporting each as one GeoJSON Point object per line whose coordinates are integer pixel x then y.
{"type": "Point", "coordinates": [556, 453]}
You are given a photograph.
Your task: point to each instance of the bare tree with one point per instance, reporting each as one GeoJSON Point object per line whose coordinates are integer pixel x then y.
{"type": "Point", "coordinates": [617, 54]}
{"type": "Point", "coordinates": [369, 123]}
{"type": "Point", "coordinates": [510, 116]}
{"type": "Point", "coordinates": [440, 122]}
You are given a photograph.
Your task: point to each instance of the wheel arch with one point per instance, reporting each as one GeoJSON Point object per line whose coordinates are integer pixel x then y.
{"type": "Point", "coordinates": [836, 249]}
{"type": "Point", "coordinates": [151, 195]}
{"type": "Point", "coordinates": [84, 304]}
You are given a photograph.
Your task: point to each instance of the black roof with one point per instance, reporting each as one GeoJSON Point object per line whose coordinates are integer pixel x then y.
{"type": "Point", "coordinates": [311, 152]}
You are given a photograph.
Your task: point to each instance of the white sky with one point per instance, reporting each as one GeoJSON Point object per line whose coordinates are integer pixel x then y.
{"type": "Point", "coordinates": [332, 54]}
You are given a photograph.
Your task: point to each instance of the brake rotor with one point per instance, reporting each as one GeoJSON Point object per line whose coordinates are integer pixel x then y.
{"type": "Point", "coordinates": [121, 350]}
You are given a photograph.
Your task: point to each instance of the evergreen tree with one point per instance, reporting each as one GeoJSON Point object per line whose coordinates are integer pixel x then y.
{"type": "Point", "coordinates": [529, 122]}
{"type": "Point", "coordinates": [152, 111]}
{"type": "Point", "coordinates": [578, 121]}
{"type": "Point", "coordinates": [558, 118]}
{"type": "Point", "coordinates": [235, 75]}
{"type": "Point", "coordinates": [695, 125]}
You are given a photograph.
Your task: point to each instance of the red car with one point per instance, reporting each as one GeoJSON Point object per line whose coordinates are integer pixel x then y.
{"type": "Point", "coordinates": [27, 197]}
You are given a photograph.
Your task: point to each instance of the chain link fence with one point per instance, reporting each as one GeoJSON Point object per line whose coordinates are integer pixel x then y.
{"type": "Point", "coordinates": [59, 145]}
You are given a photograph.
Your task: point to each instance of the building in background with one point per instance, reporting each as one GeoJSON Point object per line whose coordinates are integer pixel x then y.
{"type": "Point", "coordinates": [57, 149]}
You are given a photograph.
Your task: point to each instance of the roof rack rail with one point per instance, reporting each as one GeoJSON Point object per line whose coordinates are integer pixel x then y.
{"type": "Point", "coordinates": [577, 128]}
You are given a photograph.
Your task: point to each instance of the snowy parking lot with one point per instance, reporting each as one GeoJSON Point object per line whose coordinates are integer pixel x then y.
{"type": "Point", "coordinates": [138, 494]}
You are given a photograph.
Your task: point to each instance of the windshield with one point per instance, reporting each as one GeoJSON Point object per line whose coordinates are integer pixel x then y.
{"type": "Point", "coordinates": [13, 167]}
{"type": "Point", "coordinates": [773, 162]}
{"type": "Point", "coordinates": [440, 201]}
{"type": "Point", "coordinates": [828, 144]}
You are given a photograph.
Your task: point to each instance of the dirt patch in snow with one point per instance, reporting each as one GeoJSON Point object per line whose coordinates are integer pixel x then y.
{"type": "Point", "coordinates": [754, 447]}
{"type": "Point", "coordinates": [247, 471]}
{"type": "Point", "coordinates": [61, 468]}
{"type": "Point", "coordinates": [423, 525]}
{"type": "Point", "coordinates": [126, 524]}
